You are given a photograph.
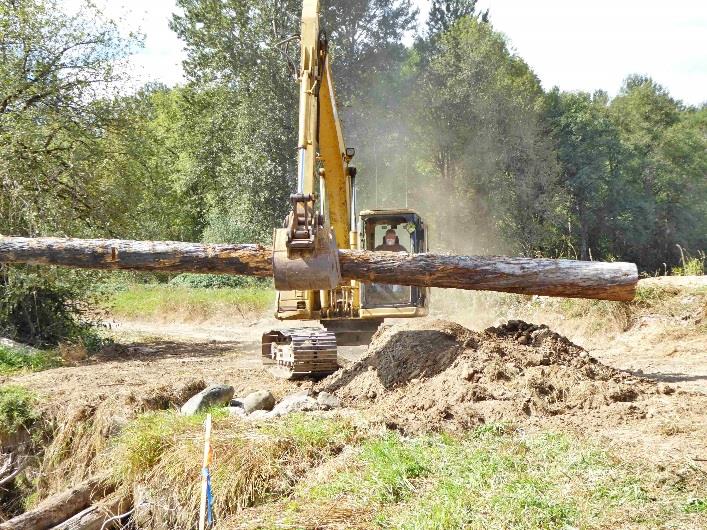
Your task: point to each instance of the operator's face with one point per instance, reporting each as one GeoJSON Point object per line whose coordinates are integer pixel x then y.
{"type": "Point", "coordinates": [390, 239]}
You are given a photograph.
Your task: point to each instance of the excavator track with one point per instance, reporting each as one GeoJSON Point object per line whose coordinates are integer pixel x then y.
{"type": "Point", "coordinates": [300, 352]}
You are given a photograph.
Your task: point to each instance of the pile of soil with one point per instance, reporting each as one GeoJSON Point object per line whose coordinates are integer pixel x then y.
{"type": "Point", "coordinates": [440, 375]}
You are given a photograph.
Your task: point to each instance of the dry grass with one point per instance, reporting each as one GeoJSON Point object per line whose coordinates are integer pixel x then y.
{"type": "Point", "coordinates": [78, 433]}
{"type": "Point", "coordinates": [253, 464]}
{"type": "Point", "coordinates": [668, 300]}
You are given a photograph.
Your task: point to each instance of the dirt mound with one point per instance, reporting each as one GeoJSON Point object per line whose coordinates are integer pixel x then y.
{"type": "Point", "coordinates": [438, 374]}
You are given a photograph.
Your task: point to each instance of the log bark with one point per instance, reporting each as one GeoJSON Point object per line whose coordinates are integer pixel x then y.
{"type": "Point", "coordinates": [60, 507]}
{"type": "Point", "coordinates": [547, 277]}
{"type": "Point", "coordinates": [96, 516]}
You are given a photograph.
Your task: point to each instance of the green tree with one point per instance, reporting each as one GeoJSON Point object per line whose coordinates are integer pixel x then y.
{"type": "Point", "coordinates": [589, 151]}
{"type": "Point", "coordinates": [245, 100]}
{"type": "Point", "coordinates": [667, 180]}
{"type": "Point", "coordinates": [56, 78]}
{"type": "Point", "coordinates": [54, 67]}
{"type": "Point", "coordinates": [147, 170]}
{"type": "Point", "coordinates": [445, 13]}
{"type": "Point", "coordinates": [485, 166]}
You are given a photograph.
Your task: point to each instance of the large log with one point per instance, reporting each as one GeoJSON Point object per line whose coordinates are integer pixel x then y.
{"type": "Point", "coordinates": [61, 506]}
{"type": "Point", "coordinates": [548, 277]}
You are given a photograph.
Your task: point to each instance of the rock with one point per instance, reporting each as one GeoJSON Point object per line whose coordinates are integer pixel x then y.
{"type": "Point", "coordinates": [523, 339]}
{"type": "Point", "coordinates": [259, 415]}
{"type": "Point", "coordinates": [260, 400]}
{"type": "Point", "coordinates": [295, 403]}
{"type": "Point", "coordinates": [328, 401]}
{"type": "Point", "coordinates": [236, 411]}
{"type": "Point", "coordinates": [665, 389]}
{"type": "Point", "coordinates": [539, 336]}
{"type": "Point", "coordinates": [213, 395]}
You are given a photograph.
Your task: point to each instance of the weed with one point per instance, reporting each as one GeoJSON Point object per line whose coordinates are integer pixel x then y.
{"type": "Point", "coordinates": [691, 266]}
{"type": "Point", "coordinates": [154, 301]}
{"type": "Point", "coordinates": [696, 506]}
{"type": "Point", "coordinates": [16, 409]}
{"type": "Point", "coordinates": [252, 464]}
{"type": "Point", "coordinates": [13, 360]}
{"type": "Point", "coordinates": [494, 477]}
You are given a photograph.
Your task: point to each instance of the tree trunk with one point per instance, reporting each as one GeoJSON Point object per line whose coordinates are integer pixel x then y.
{"type": "Point", "coordinates": [548, 277]}
{"type": "Point", "coordinates": [60, 507]}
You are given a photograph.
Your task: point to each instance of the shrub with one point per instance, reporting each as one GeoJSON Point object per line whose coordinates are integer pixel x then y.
{"type": "Point", "coordinates": [44, 307]}
{"type": "Point", "coordinates": [16, 408]}
{"type": "Point", "coordinates": [217, 281]}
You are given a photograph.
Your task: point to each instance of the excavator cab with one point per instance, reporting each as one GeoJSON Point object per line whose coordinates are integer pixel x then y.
{"type": "Point", "coordinates": [393, 231]}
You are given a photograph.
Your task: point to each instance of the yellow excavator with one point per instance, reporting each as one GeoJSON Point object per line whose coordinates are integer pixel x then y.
{"type": "Point", "coordinates": [323, 219]}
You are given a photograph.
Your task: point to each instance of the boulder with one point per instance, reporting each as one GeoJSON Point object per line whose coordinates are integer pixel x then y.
{"type": "Point", "coordinates": [295, 403]}
{"type": "Point", "coordinates": [328, 401]}
{"type": "Point", "coordinates": [259, 415]}
{"type": "Point", "coordinates": [236, 411]}
{"type": "Point", "coordinates": [260, 400]}
{"type": "Point", "coordinates": [211, 396]}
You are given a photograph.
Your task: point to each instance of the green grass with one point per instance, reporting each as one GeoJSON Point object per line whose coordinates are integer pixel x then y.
{"type": "Point", "coordinates": [144, 441]}
{"type": "Point", "coordinates": [154, 301]}
{"type": "Point", "coordinates": [13, 360]}
{"type": "Point", "coordinates": [499, 479]}
{"type": "Point", "coordinates": [16, 409]}
{"type": "Point", "coordinates": [691, 267]}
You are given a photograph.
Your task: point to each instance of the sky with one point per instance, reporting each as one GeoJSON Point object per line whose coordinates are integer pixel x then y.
{"type": "Point", "coordinates": [576, 45]}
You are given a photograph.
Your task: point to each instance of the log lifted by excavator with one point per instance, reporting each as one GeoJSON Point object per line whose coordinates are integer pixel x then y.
{"type": "Point", "coordinates": [305, 252]}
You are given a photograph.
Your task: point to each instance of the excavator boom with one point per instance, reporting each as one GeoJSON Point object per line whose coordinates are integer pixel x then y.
{"type": "Point", "coordinates": [324, 219]}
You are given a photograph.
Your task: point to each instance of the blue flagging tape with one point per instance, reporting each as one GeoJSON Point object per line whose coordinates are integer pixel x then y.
{"type": "Point", "coordinates": [209, 498]}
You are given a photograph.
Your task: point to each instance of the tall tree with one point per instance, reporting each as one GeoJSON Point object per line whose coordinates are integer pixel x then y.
{"type": "Point", "coordinates": [246, 102]}
{"type": "Point", "coordinates": [445, 13]}
{"type": "Point", "coordinates": [485, 166]}
{"type": "Point", "coordinates": [647, 116]}
{"type": "Point", "coordinates": [589, 151]}
{"type": "Point", "coordinates": [54, 68]}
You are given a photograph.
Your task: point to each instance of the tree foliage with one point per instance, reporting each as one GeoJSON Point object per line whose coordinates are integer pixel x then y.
{"type": "Point", "coordinates": [54, 75]}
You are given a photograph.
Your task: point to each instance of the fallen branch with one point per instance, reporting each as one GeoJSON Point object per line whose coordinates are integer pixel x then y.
{"type": "Point", "coordinates": [100, 516]}
{"type": "Point", "coordinates": [7, 473]}
{"type": "Point", "coordinates": [60, 507]}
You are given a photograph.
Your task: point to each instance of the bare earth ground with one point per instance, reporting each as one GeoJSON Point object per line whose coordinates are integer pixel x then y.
{"type": "Point", "coordinates": [667, 427]}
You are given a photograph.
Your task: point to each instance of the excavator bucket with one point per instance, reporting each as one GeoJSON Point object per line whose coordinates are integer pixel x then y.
{"type": "Point", "coordinates": [315, 268]}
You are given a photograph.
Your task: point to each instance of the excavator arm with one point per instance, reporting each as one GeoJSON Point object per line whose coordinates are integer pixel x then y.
{"type": "Point", "coordinates": [321, 219]}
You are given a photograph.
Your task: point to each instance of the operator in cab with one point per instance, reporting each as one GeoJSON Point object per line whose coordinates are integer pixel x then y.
{"type": "Point", "coordinates": [382, 294]}
{"type": "Point", "coordinates": [391, 243]}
